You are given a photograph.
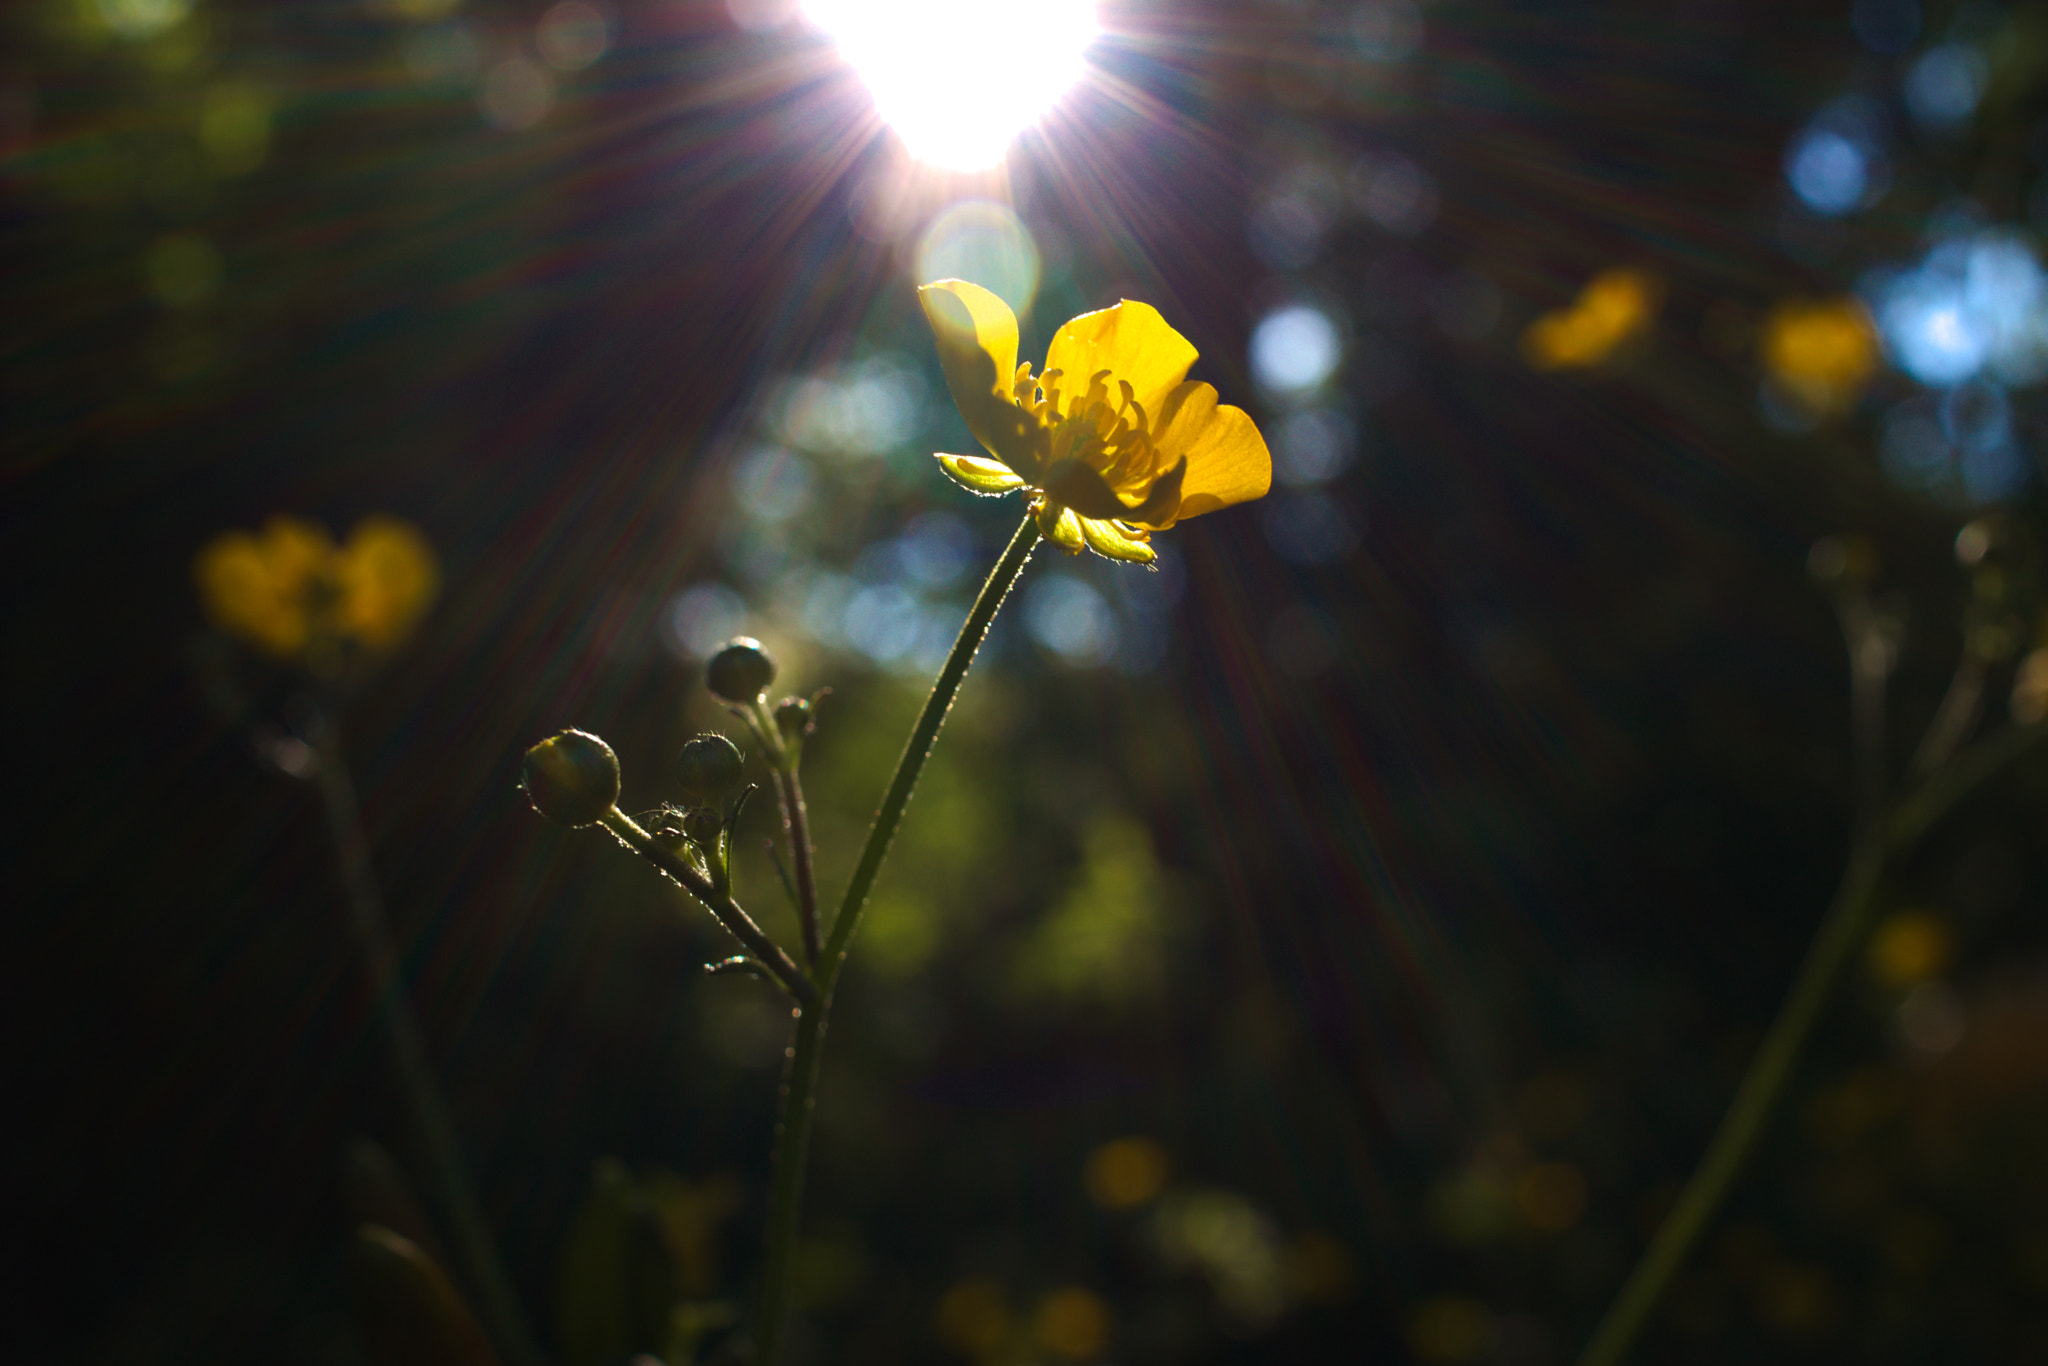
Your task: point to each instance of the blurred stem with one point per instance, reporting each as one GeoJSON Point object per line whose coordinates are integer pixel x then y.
{"type": "Point", "coordinates": [1870, 665]}
{"type": "Point", "coordinates": [1841, 932]}
{"type": "Point", "coordinates": [718, 902]}
{"type": "Point", "coordinates": [390, 1009]}
{"type": "Point", "coordinates": [799, 1088]}
{"type": "Point", "coordinates": [1953, 719]}
{"type": "Point", "coordinates": [796, 824]}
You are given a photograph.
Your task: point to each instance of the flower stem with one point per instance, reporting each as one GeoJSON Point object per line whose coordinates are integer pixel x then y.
{"type": "Point", "coordinates": [1841, 932]}
{"type": "Point", "coordinates": [388, 1006]}
{"type": "Point", "coordinates": [796, 824]}
{"type": "Point", "coordinates": [719, 903]}
{"type": "Point", "coordinates": [793, 1129]}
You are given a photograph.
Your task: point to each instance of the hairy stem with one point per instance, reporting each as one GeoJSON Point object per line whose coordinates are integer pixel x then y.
{"type": "Point", "coordinates": [793, 1131]}
{"type": "Point", "coordinates": [719, 903]}
{"type": "Point", "coordinates": [1844, 928]}
{"type": "Point", "coordinates": [796, 824]}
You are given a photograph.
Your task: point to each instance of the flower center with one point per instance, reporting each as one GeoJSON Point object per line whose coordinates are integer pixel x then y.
{"type": "Point", "coordinates": [1105, 429]}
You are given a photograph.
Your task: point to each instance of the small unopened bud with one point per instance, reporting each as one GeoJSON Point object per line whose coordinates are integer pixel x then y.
{"type": "Point", "coordinates": [709, 771]}
{"type": "Point", "coordinates": [572, 778]}
{"type": "Point", "coordinates": [702, 828]}
{"type": "Point", "coordinates": [740, 672]}
{"type": "Point", "coordinates": [794, 721]}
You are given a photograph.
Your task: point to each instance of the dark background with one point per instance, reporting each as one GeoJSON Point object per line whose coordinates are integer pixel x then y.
{"type": "Point", "coordinates": [1476, 831]}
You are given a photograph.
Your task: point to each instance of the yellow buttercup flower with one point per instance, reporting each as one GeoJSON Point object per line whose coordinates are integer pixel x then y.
{"type": "Point", "coordinates": [1111, 439]}
{"type": "Point", "coordinates": [293, 593]}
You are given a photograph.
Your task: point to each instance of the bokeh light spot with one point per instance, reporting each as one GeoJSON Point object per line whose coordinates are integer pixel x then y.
{"type": "Point", "coordinates": [1931, 1020]}
{"type": "Point", "coordinates": [1072, 619]}
{"type": "Point", "coordinates": [1308, 528]}
{"type": "Point", "coordinates": [1313, 447]}
{"type": "Point", "coordinates": [182, 270]}
{"type": "Point", "coordinates": [1387, 30]}
{"type": "Point", "coordinates": [572, 35]}
{"type": "Point", "coordinates": [1295, 349]}
{"type": "Point", "coordinates": [234, 128]}
{"type": "Point", "coordinates": [1831, 172]}
{"type": "Point", "coordinates": [1125, 1173]}
{"type": "Point", "coordinates": [982, 241]}
{"type": "Point", "coordinates": [935, 548]}
{"type": "Point", "coordinates": [1073, 1323]}
{"type": "Point", "coordinates": [143, 18]}
{"type": "Point", "coordinates": [958, 79]}
{"type": "Point", "coordinates": [1976, 303]}
{"type": "Point", "coordinates": [1908, 948]}
{"type": "Point", "coordinates": [772, 484]}
{"type": "Point", "coordinates": [1452, 1330]}
{"type": "Point", "coordinates": [1945, 85]}
{"type": "Point", "coordinates": [974, 1317]}
{"type": "Point", "coordinates": [1393, 192]}
{"type": "Point", "coordinates": [445, 54]}
{"type": "Point", "coordinates": [516, 93]}
{"type": "Point", "coordinates": [700, 619]}
{"type": "Point", "coordinates": [1551, 1196]}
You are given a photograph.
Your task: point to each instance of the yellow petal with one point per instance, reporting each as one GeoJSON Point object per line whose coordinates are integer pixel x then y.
{"type": "Point", "coordinates": [388, 576]}
{"type": "Point", "coordinates": [1227, 463]}
{"type": "Point", "coordinates": [1060, 526]}
{"type": "Point", "coordinates": [244, 598]}
{"type": "Point", "coordinates": [985, 477]}
{"type": "Point", "coordinates": [1108, 539]}
{"type": "Point", "coordinates": [1131, 341]}
{"type": "Point", "coordinates": [977, 339]}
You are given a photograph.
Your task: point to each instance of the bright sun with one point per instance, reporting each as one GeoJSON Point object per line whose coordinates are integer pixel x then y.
{"type": "Point", "coordinates": [957, 79]}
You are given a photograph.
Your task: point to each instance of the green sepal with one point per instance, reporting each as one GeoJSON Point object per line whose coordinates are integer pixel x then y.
{"type": "Point", "coordinates": [1108, 540]}
{"type": "Point", "coordinates": [985, 477]}
{"type": "Point", "coordinates": [1060, 526]}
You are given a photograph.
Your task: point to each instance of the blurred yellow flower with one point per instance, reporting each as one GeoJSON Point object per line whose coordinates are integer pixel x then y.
{"type": "Point", "coordinates": [293, 594]}
{"type": "Point", "coordinates": [1821, 351]}
{"type": "Point", "coordinates": [1615, 307]}
{"type": "Point", "coordinates": [1111, 440]}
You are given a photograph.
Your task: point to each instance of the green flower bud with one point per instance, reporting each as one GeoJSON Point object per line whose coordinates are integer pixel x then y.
{"type": "Point", "coordinates": [793, 720]}
{"type": "Point", "coordinates": [740, 672]}
{"type": "Point", "coordinates": [703, 827]}
{"type": "Point", "coordinates": [572, 778]}
{"type": "Point", "coordinates": [709, 770]}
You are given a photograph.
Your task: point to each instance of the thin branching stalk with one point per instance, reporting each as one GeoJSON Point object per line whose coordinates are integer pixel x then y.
{"type": "Point", "coordinates": [1841, 932]}
{"type": "Point", "coordinates": [799, 1090]}
{"type": "Point", "coordinates": [390, 1010]}
{"type": "Point", "coordinates": [796, 824]}
{"type": "Point", "coordinates": [718, 902]}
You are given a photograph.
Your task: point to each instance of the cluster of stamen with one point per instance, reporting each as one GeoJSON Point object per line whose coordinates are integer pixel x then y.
{"type": "Point", "coordinates": [1114, 438]}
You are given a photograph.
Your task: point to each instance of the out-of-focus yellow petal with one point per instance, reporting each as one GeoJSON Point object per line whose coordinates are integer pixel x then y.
{"type": "Point", "coordinates": [1108, 539]}
{"type": "Point", "coordinates": [1823, 352]}
{"type": "Point", "coordinates": [387, 576]}
{"type": "Point", "coordinates": [1060, 526]}
{"type": "Point", "coordinates": [986, 477]}
{"type": "Point", "coordinates": [243, 597]}
{"type": "Point", "coordinates": [977, 339]}
{"type": "Point", "coordinates": [1227, 463]}
{"type": "Point", "coordinates": [1614, 308]}
{"type": "Point", "coordinates": [1130, 339]}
